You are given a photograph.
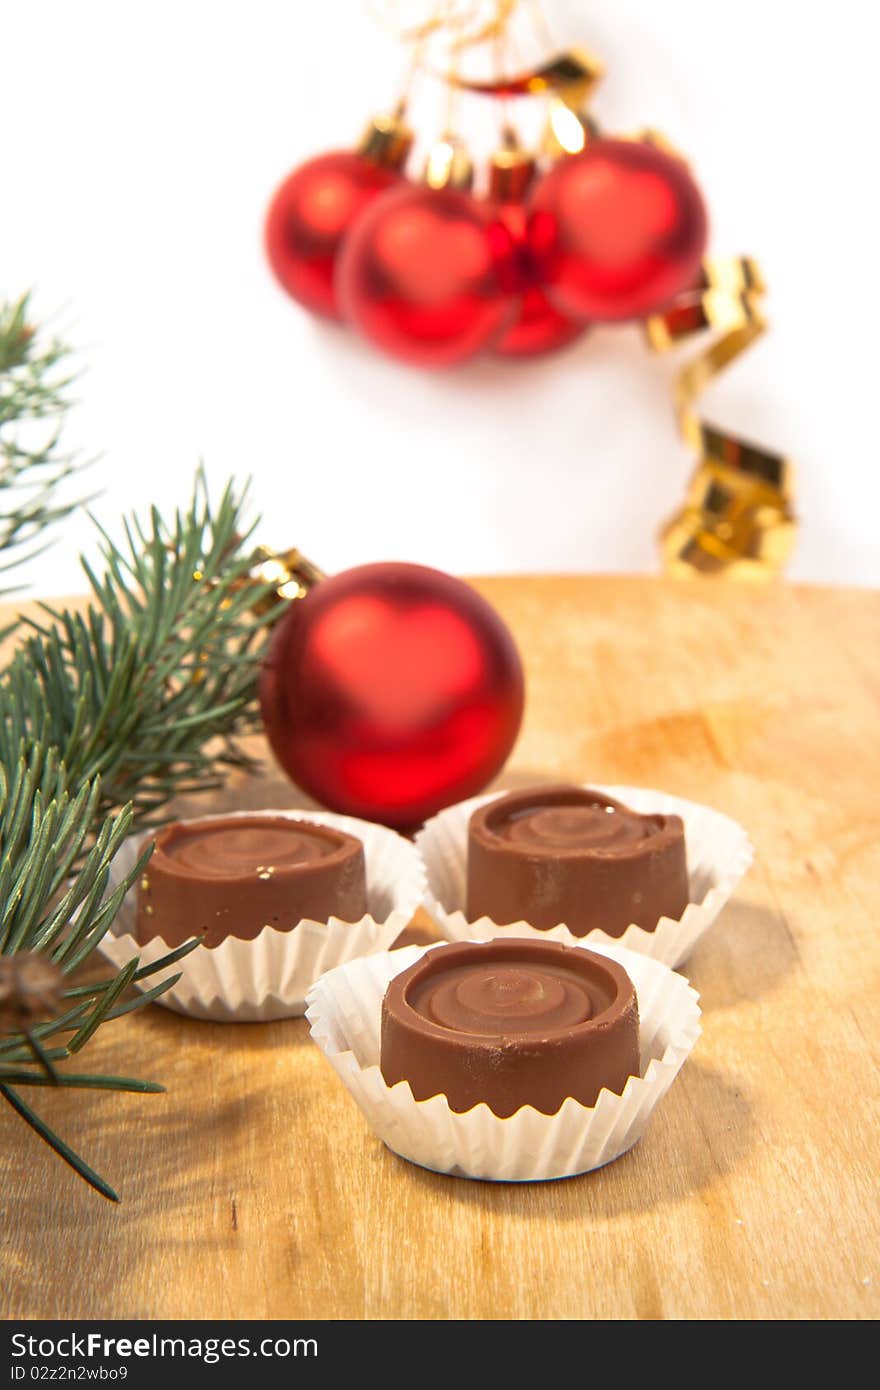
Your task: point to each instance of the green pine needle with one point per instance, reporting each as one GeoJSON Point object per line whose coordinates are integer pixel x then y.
{"type": "Point", "coordinates": [75, 1081]}
{"type": "Point", "coordinates": [63, 1150]}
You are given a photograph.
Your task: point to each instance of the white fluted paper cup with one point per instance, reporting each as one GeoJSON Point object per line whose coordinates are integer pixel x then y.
{"type": "Point", "coordinates": [269, 977]}
{"type": "Point", "coordinates": [719, 854]}
{"type": "Point", "coordinates": [345, 1014]}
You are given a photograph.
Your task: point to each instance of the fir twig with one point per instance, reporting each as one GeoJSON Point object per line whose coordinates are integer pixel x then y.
{"type": "Point", "coordinates": [162, 663]}
{"type": "Point", "coordinates": [53, 909]}
{"type": "Point", "coordinates": [105, 715]}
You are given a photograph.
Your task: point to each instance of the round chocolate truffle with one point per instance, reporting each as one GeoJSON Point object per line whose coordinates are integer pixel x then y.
{"type": "Point", "coordinates": [552, 855]}
{"type": "Point", "coordinates": [235, 875]}
{"type": "Point", "coordinates": [511, 1023]}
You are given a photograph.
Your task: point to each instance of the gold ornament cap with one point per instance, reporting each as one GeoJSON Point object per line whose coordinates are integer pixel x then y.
{"type": "Point", "coordinates": [511, 171]}
{"type": "Point", "coordinates": [568, 131]}
{"type": "Point", "coordinates": [387, 141]}
{"type": "Point", "coordinates": [290, 573]}
{"type": "Point", "coordinates": [449, 165]}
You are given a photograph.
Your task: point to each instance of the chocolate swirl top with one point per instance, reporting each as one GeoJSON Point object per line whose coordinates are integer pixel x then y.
{"type": "Point", "coordinates": [511, 989]}
{"type": "Point", "coordinates": [514, 997]}
{"type": "Point", "coordinates": [510, 1022]}
{"type": "Point", "coordinates": [241, 846]}
{"type": "Point", "coordinates": [237, 875]}
{"type": "Point", "coordinates": [571, 855]}
{"type": "Point", "coordinates": [568, 819]}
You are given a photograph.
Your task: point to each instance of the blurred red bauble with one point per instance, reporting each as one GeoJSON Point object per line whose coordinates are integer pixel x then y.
{"type": "Point", "coordinates": [419, 278]}
{"type": "Point", "coordinates": [538, 327]}
{"type": "Point", "coordinates": [617, 231]}
{"type": "Point", "coordinates": [309, 218]}
{"type": "Point", "coordinates": [390, 691]}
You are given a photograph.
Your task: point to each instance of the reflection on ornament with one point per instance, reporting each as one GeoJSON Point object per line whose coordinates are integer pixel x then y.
{"type": "Point", "coordinates": [390, 691]}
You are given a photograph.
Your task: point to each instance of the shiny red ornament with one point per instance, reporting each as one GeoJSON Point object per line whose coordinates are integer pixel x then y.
{"type": "Point", "coordinates": [390, 691]}
{"type": "Point", "coordinates": [309, 218]}
{"type": "Point", "coordinates": [538, 327]}
{"type": "Point", "coordinates": [419, 276]}
{"type": "Point", "coordinates": [617, 231]}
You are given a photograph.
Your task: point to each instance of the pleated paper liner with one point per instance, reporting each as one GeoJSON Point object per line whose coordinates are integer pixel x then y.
{"type": "Point", "coordinates": [719, 854]}
{"type": "Point", "coordinates": [269, 977]}
{"type": "Point", "coordinates": [344, 1011]}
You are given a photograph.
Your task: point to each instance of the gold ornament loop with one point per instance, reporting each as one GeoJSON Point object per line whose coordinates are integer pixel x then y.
{"type": "Point", "coordinates": [738, 517]}
{"type": "Point", "coordinates": [461, 23]}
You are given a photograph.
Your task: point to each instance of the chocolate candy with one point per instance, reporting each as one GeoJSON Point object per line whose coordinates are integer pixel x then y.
{"type": "Point", "coordinates": [512, 1023]}
{"type": "Point", "coordinates": [561, 854]}
{"type": "Point", "coordinates": [235, 875]}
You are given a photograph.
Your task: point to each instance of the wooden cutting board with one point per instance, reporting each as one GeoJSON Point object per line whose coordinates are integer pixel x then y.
{"type": "Point", "coordinates": [254, 1189]}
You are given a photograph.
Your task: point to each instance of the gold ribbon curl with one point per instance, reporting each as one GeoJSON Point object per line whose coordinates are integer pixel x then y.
{"type": "Point", "coordinates": [737, 518]}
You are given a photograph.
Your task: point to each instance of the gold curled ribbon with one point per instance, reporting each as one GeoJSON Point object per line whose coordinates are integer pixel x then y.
{"type": "Point", "coordinates": [737, 517]}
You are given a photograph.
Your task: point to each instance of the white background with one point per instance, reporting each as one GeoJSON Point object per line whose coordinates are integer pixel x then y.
{"type": "Point", "coordinates": [140, 145]}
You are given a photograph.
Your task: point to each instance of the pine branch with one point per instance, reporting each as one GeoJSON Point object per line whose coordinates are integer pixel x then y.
{"type": "Point", "coordinates": [138, 688]}
{"type": "Point", "coordinates": [33, 403]}
{"type": "Point", "coordinates": [53, 913]}
{"type": "Point", "coordinates": [105, 715]}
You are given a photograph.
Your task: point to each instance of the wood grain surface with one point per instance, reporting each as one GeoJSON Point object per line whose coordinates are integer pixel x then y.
{"type": "Point", "coordinates": [254, 1189]}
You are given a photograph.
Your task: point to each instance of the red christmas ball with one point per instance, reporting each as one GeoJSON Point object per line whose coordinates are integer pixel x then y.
{"type": "Point", "coordinates": [617, 231]}
{"type": "Point", "coordinates": [390, 691]}
{"type": "Point", "coordinates": [419, 276]}
{"type": "Point", "coordinates": [538, 327]}
{"type": "Point", "coordinates": [309, 218]}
